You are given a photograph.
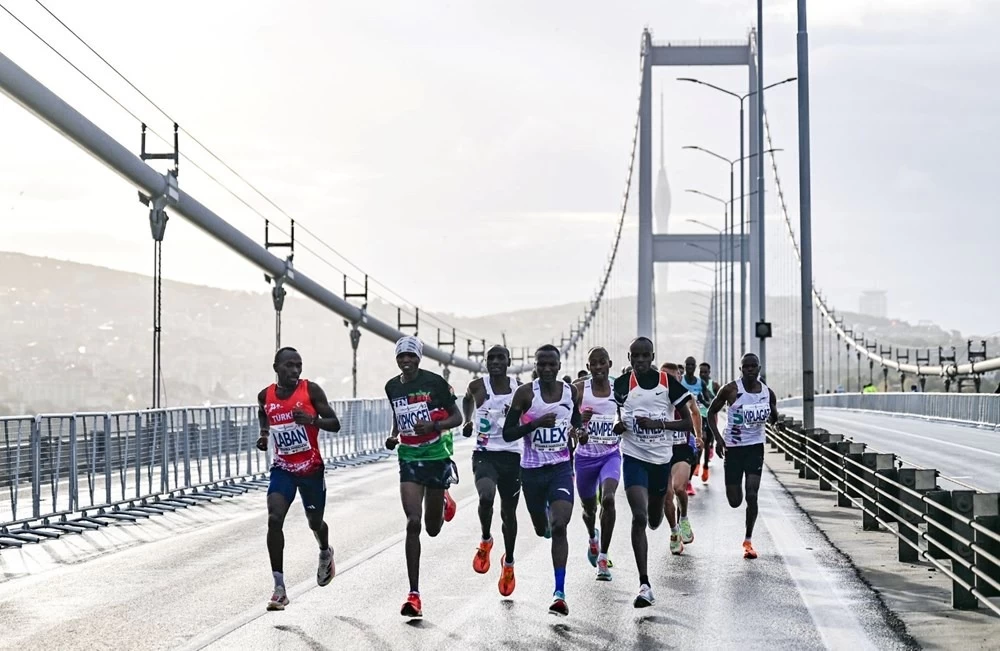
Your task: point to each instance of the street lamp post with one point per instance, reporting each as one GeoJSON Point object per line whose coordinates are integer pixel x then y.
{"type": "Point", "coordinates": [743, 257]}
{"type": "Point", "coordinates": [742, 98]}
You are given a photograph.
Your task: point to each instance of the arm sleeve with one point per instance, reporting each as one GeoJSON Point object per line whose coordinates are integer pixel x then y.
{"type": "Point", "coordinates": [620, 390]}
{"type": "Point", "coordinates": [676, 391]}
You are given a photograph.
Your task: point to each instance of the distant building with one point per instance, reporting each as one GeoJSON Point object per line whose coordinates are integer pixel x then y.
{"type": "Point", "coordinates": [874, 303]}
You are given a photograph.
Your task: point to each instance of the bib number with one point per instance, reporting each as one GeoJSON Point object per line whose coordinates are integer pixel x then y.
{"type": "Point", "coordinates": [601, 429]}
{"type": "Point", "coordinates": [753, 414]}
{"type": "Point", "coordinates": [551, 439]}
{"type": "Point", "coordinates": [290, 439]}
{"type": "Point", "coordinates": [407, 416]}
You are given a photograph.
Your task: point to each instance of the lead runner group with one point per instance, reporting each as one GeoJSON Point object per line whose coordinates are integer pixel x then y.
{"type": "Point", "coordinates": [551, 439]}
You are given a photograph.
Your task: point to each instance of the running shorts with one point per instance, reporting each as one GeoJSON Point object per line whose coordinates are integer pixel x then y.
{"type": "Point", "coordinates": [744, 459]}
{"type": "Point", "coordinates": [547, 484]}
{"type": "Point", "coordinates": [683, 453]}
{"type": "Point", "coordinates": [592, 472]}
{"type": "Point", "coordinates": [312, 487]}
{"type": "Point", "coordinates": [654, 477]}
{"type": "Point", "coordinates": [439, 473]}
{"type": "Point", "coordinates": [502, 468]}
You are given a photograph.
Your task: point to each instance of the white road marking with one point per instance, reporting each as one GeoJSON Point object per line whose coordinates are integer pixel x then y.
{"type": "Point", "coordinates": [917, 436]}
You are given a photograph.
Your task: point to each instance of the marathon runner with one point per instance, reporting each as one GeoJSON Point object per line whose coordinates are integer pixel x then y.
{"type": "Point", "coordinates": [546, 413]}
{"type": "Point", "coordinates": [649, 407]}
{"type": "Point", "coordinates": [598, 458]}
{"type": "Point", "coordinates": [687, 448]}
{"type": "Point", "coordinates": [751, 405]}
{"type": "Point", "coordinates": [496, 463]}
{"type": "Point", "coordinates": [710, 388]}
{"type": "Point", "coordinates": [424, 409]}
{"type": "Point", "coordinates": [291, 413]}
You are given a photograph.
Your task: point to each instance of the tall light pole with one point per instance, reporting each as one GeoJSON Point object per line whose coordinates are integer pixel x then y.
{"type": "Point", "coordinates": [805, 221]}
{"type": "Point", "coordinates": [743, 254]}
{"type": "Point", "coordinates": [728, 318]}
{"type": "Point", "coordinates": [719, 330]}
{"type": "Point", "coordinates": [760, 178]}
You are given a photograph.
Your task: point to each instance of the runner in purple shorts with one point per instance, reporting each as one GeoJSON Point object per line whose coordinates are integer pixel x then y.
{"type": "Point", "coordinates": [598, 458]}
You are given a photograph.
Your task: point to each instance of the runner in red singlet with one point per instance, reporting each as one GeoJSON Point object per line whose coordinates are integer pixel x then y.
{"type": "Point", "coordinates": [291, 414]}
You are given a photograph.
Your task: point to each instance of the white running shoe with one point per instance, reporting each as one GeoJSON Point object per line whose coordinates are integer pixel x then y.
{"type": "Point", "coordinates": [326, 570]}
{"type": "Point", "coordinates": [645, 598]}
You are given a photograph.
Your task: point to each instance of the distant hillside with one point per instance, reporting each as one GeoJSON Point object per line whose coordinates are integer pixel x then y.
{"type": "Point", "coordinates": [78, 337]}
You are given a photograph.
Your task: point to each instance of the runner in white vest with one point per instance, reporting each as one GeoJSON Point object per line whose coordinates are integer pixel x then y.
{"type": "Point", "coordinates": [751, 406]}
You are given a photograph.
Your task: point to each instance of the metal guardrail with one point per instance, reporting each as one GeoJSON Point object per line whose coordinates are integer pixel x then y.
{"type": "Point", "coordinates": [960, 526]}
{"type": "Point", "coordinates": [980, 409]}
{"type": "Point", "coordinates": [63, 473]}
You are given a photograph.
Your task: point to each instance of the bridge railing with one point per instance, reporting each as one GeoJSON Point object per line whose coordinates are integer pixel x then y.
{"type": "Point", "coordinates": [59, 471]}
{"type": "Point", "coordinates": [956, 531]}
{"type": "Point", "coordinates": [982, 409]}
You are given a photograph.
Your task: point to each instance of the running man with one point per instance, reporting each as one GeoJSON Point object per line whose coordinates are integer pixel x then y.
{"type": "Point", "coordinates": [598, 458]}
{"type": "Point", "coordinates": [496, 463]}
{"type": "Point", "coordinates": [294, 410]}
{"type": "Point", "coordinates": [424, 409]}
{"type": "Point", "coordinates": [710, 389]}
{"type": "Point", "coordinates": [650, 408]}
{"type": "Point", "coordinates": [546, 414]}
{"type": "Point", "coordinates": [751, 406]}
{"type": "Point", "coordinates": [687, 449]}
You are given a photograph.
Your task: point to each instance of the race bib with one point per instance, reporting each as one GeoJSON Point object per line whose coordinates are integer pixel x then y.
{"type": "Point", "coordinates": [551, 439]}
{"type": "Point", "coordinates": [646, 435]}
{"type": "Point", "coordinates": [290, 439]}
{"type": "Point", "coordinates": [407, 416]}
{"type": "Point", "coordinates": [601, 429]}
{"type": "Point", "coordinates": [489, 422]}
{"type": "Point", "coordinates": [680, 437]}
{"type": "Point", "coordinates": [755, 414]}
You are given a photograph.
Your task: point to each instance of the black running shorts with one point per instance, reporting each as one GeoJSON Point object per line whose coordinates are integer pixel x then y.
{"type": "Point", "coordinates": [502, 468]}
{"type": "Point", "coordinates": [439, 473]}
{"type": "Point", "coordinates": [743, 459]}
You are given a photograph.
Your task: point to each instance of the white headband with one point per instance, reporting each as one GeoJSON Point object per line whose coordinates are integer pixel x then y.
{"type": "Point", "coordinates": [410, 344]}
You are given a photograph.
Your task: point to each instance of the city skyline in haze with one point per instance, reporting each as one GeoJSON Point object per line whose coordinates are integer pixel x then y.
{"type": "Point", "coordinates": [431, 144]}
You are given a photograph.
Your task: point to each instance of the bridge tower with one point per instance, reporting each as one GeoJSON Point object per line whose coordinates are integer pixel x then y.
{"type": "Point", "coordinates": [663, 247]}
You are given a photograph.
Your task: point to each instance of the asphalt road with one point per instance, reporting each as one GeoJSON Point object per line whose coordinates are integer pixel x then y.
{"type": "Point", "coordinates": [962, 452]}
{"type": "Point", "coordinates": [200, 579]}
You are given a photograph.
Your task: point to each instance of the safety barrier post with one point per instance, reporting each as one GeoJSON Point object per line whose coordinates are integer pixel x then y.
{"type": "Point", "coordinates": [935, 532]}
{"type": "Point", "coordinates": [852, 487]}
{"type": "Point", "coordinates": [920, 481]}
{"type": "Point", "coordinates": [961, 597]}
{"type": "Point", "coordinates": [827, 459]}
{"type": "Point", "coordinates": [813, 452]}
{"type": "Point", "coordinates": [845, 448]}
{"type": "Point", "coordinates": [876, 464]}
{"type": "Point", "coordinates": [36, 467]}
{"type": "Point", "coordinates": [986, 509]}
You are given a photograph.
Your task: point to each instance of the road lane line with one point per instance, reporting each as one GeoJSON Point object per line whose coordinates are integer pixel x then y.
{"type": "Point", "coordinates": [827, 603]}
{"type": "Point", "coordinates": [918, 436]}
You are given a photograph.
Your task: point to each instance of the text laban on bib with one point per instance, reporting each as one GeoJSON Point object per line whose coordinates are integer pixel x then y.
{"type": "Point", "coordinates": [409, 414]}
{"type": "Point", "coordinates": [601, 429]}
{"type": "Point", "coordinates": [290, 439]}
{"type": "Point", "coordinates": [551, 439]}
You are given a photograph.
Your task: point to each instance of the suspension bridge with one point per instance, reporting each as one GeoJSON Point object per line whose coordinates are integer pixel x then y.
{"type": "Point", "coordinates": [141, 528]}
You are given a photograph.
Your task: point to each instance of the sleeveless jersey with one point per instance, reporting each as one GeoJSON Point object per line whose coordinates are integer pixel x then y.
{"type": "Point", "coordinates": [660, 403]}
{"type": "Point", "coordinates": [602, 439]}
{"type": "Point", "coordinates": [747, 416]}
{"type": "Point", "coordinates": [709, 396]}
{"type": "Point", "coordinates": [490, 417]}
{"type": "Point", "coordinates": [295, 447]}
{"type": "Point", "coordinates": [547, 446]}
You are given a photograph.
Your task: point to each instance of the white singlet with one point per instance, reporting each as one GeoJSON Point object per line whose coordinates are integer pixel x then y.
{"type": "Point", "coordinates": [602, 439]}
{"type": "Point", "coordinates": [747, 416]}
{"type": "Point", "coordinates": [490, 417]}
{"type": "Point", "coordinates": [652, 446]}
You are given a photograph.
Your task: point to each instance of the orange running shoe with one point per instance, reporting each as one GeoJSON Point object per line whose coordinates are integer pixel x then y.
{"type": "Point", "coordinates": [411, 607]}
{"type": "Point", "coordinates": [507, 583]}
{"type": "Point", "coordinates": [704, 475]}
{"type": "Point", "coordinates": [450, 507]}
{"type": "Point", "coordinates": [748, 551]}
{"type": "Point", "coordinates": [481, 561]}
{"type": "Point", "coordinates": [690, 489]}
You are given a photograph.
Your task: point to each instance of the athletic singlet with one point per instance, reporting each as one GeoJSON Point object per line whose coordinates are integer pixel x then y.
{"type": "Point", "coordinates": [602, 439]}
{"type": "Point", "coordinates": [709, 397]}
{"type": "Point", "coordinates": [490, 418]}
{"type": "Point", "coordinates": [295, 447]}
{"type": "Point", "coordinates": [547, 446]}
{"type": "Point", "coordinates": [653, 446]}
{"type": "Point", "coordinates": [747, 416]}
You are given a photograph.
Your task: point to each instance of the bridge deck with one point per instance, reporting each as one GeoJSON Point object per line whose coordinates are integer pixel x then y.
{"type": "Point", "coordinates": [204, 584]}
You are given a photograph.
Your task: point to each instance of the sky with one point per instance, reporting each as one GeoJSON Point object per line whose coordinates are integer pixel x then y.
{"type": "Point", "coordinates": [470, 154]}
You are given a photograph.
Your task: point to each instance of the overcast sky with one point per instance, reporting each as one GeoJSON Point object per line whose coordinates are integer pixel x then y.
{"type": "Point", "coordinates": [440, 145]}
